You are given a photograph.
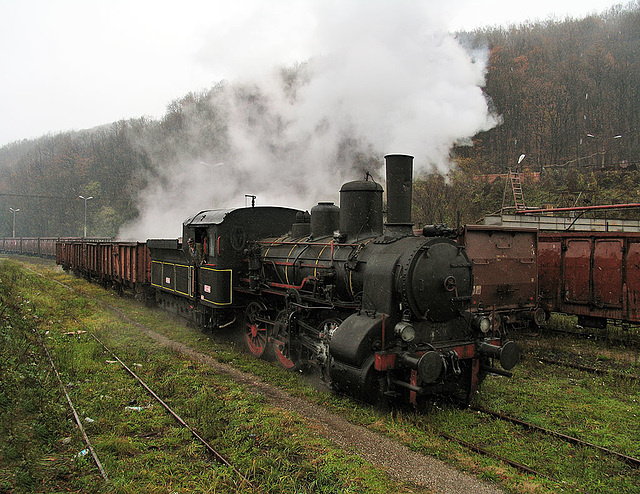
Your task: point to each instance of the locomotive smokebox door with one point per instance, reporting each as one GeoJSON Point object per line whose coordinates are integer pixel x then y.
{"type": "Point", "coordinates": [437, 280]}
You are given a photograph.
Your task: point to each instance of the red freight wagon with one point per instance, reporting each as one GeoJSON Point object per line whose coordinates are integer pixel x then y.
{"type": "Point", "coordinates": [505, 272]}
{"type": "Point", "coordinates": [594, 275]}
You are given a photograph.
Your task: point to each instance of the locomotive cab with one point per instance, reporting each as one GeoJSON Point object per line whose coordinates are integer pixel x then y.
{"type": "Point", "coordinates": [207, 274]}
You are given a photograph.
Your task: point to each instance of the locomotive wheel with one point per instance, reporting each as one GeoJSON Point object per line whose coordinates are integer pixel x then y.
{"type": "Point", "coordinates": [256, 332]}
{"type": "Point", "coordinates": [282, 342]}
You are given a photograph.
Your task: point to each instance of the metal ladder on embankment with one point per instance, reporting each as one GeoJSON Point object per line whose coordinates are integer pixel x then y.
{"type": "Point", "coordinates": [513, 178]}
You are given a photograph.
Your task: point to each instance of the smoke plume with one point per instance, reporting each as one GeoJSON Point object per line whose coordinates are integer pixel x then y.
{"type": "Point", "coordinates": [377, 78]}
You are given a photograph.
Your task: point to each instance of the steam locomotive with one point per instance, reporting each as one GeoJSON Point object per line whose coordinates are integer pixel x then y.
{"type": "Point", "coordinates": [381, 312]}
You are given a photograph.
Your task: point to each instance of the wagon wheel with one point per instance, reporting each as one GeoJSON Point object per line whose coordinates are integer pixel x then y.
{"type": "Point", "coordinates": [256, 329]}
{"type": "Point", "coordinates": [282, 347]}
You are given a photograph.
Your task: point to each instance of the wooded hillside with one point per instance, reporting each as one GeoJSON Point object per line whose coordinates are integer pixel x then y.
{"type": "Point", "coordinates": [568, 94]}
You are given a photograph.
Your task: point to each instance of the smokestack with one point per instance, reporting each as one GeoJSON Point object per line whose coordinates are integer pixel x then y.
{"type": "Point", "coordinates": [399, 190]}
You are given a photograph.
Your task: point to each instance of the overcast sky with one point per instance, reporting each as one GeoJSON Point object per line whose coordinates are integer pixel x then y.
{"type": "Point", "coordinates": [76, 64]}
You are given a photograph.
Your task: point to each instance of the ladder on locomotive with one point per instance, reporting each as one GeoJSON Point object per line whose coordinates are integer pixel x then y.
{"type": "Point", "coordinates": [513, 178]}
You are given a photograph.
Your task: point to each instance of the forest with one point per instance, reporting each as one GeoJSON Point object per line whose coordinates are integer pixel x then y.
{"type": "Point", "coordinates": [567, 93]}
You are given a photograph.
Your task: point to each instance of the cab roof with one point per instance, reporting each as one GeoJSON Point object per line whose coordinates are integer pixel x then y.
{"type": "Point", "coordinates": [217, 216]}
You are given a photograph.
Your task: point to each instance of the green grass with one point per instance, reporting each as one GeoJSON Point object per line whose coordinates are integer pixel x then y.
{"type": "Point", "coordinates": [145, 452]}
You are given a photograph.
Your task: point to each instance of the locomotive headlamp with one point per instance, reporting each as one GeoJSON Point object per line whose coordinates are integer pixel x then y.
{"type": "Point", "coordinates": [484, 324]}
{"type": "Point", "coordinates": [405, 331]}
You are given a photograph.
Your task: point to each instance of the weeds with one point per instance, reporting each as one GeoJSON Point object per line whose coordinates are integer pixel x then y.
{"type": "Point", "coordinates": [33, 419]}
{"type": "Point", "coordinates": [145, 452]}
{"type": "Point", "coordinates": [140, 445]}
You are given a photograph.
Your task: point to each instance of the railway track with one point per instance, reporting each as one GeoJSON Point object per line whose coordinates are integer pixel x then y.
{"type": "Point", "coordinates": [214, 453]}
{"type": "Point", "coordinates": [630, 461]}
{"type": "Point", "coordinates": [483, 451]}
{"type": "Point", "coordinates": [618, 362]}
{"type": "Point", "coordinates": [622, 337]}
{"type": "Point", "coordinates": [590, 369]}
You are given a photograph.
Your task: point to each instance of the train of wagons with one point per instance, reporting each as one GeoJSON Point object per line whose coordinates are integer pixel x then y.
{"type": "Point", "coordinates": [382, 313]}
{"type": "Point", "coordinates": [520, 275]}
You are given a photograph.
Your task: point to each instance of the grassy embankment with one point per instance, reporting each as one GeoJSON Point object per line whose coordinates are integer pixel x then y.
{"type": "Point", "coordinates": [145, 451]}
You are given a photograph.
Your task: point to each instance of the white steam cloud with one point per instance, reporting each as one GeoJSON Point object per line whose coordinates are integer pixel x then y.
{"type": "Point", "coordinates": [380, 77]}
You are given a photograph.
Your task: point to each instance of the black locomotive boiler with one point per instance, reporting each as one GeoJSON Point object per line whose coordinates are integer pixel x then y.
{"type": "Point", "coordinates": [382, 313]}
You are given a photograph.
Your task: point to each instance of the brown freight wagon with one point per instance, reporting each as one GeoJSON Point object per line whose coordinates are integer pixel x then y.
{"type": "Point", "coordinates": [124, 265]}
{"type": "Point", "coordinates": [505, 272]}
{"type": "Point", "coordinates": [594, 275]}
{"type": "Point", "coordinates": [33, 246]}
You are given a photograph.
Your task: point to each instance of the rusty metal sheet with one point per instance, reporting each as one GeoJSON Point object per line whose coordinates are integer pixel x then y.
{"type": "Point", "coordinates": [505, 268]}
{"type": "Point", "coordinates": [607, 273]}
{"type": "Point", "coordinates": [549, 271]}
{"type": "Point", "coordinates": [107, 256]}
{"type": "Point", "coordinates": [632, 281]}
{"type": "Point", "coordinates": [577, 259]}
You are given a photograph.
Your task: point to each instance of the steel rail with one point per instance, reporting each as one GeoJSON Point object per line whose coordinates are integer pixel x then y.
{"type": "Point", "coordinates": [514, 464]}
{"type": "Point", "coordinates": [629, 460]}
{"type": "Point", "coordinates": [630, 341]}
{"type": "Point", "coordinates": [179, 419]}
{"type": "Point", "coordinates": [73, 409]}
{"type": "Point", "coordinates": [485, 452]}
{"type": "Point", "coordinates": [217, 456]}
{"type": "Point", "coordinates": [587, 368]}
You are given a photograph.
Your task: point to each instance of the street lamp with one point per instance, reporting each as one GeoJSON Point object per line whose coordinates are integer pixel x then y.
{"type": "Point", "coordinates": [14, 211]}
{"type": "Point", "coordinates": [603, 143]}
{"type": "Point", "coordinates": [85, 212]}
{"type": "Point", "coordinates": [619, 136]}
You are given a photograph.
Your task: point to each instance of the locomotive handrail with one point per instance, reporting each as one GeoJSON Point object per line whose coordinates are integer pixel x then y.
{"type": "Point", "coordinates": [315, 244]}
